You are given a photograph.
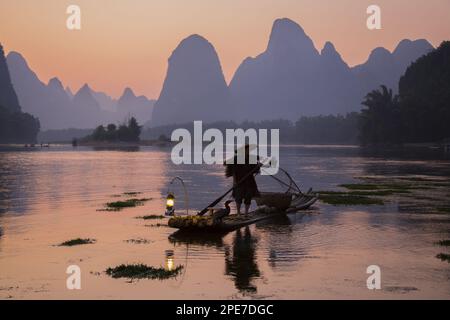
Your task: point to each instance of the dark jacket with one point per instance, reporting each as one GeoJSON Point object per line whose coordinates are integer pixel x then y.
{"type": "Point", "coordinates": [247, 188]}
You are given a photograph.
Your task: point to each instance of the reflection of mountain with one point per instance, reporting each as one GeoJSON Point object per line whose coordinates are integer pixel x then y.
{"type": "Point", "coordinates": [241, 262]}
{"type": "Point", "coordinates": [58, 108]}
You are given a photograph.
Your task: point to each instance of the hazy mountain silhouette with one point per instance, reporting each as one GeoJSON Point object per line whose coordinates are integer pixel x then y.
{"type": "Point", "coordinates": [69, 92]}
{"type": "Point", "coordinates": [279, 82]}
{"type": "Point", "coordinates": [15, 126]}
{"type": "Point", "coordinates": [87, 110]}
{"type": "Point", "coordinates": [59, 108]}
{"type": "Point", "coordinates": [291, 78]}
{"type": "Point", "coordinates": [34, 95]}
{"type": "Point", "coordinates": [194, 87]}
{"type": "Point", "coordinates": [138, 106]}
{"type": "Point", "coordinates": [57, 95]}
{"type": "Point", "coordinates": [105, 101]}
{"type": "Point", "coordinates": [8, 97]}
{"type": "Point", "coordinates": [338, 91]}
{"type": "Point", "coordinates": [128, 105]}
{"type": "Point", "coordinates": [384, 67]}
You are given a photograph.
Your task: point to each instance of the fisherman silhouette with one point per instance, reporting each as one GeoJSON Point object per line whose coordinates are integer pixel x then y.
{"type": "Point", "coordinates": [245, 187]}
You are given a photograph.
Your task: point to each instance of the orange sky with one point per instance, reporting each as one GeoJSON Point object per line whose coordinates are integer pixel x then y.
{"type": "Point", "coordinates": [127, 42]}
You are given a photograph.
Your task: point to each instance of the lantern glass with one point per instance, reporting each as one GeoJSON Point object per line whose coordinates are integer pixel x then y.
{"type": "Point", "coordinates": [170, 203]}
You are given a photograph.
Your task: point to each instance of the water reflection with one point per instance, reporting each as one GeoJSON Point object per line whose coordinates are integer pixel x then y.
{"type": "Point", "coordinates": [196, 239]}
{"type": "Point", "coordinates": [68, 184]}
{"type": "Point", "coordinates": [241, 262]}
{"type": "Point", "coordinates": [117, 148]}
{"type": "Point", "coordinates": [170, 257]}
{"type": "Point", "coordinates": [17, 182]}
{"type": "Point", "coordinates": [239, 256]}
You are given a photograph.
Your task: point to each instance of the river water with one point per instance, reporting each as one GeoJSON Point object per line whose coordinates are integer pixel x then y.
{"type": "Point", "coordinates": [54, 194]}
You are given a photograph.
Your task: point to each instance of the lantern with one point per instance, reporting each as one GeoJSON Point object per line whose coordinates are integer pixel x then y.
{"type": "Point", "coordinates": [170, 204]}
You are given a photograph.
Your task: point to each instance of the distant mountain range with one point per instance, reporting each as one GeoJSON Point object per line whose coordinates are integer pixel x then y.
{"type": "Point", "coordinates": [288, 80]}
{"type": "Point", "coordinates": [58, 108]}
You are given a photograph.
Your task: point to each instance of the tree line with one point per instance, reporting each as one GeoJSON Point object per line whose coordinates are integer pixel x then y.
{"type": "Point", "coordinates": [419, 113]}
{"type": "Point", "coordinates": [330, 129]}
{"type": "Point", "coordinates": [126, 132]}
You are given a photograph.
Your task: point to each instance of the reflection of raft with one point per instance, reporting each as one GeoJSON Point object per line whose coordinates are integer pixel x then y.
{"type": "Point", "coordinates": [278, 205]}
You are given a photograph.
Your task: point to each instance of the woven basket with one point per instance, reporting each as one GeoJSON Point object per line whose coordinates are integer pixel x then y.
{"type": "Point", "coordinates": [280, 201]}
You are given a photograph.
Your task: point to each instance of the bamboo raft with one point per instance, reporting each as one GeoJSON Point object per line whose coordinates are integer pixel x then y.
{"type": "Point", "coordinates": [271, 205]}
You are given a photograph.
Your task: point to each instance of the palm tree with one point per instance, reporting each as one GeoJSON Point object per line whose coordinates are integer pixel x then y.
{"type": "Point", "coordinates": [379, 124]}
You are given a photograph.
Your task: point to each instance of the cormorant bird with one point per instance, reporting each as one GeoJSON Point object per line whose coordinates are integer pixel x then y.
{"type": "Point", "coordinates": [222, 213]}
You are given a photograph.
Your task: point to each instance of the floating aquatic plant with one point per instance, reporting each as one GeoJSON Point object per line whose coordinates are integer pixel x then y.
{"type": "Point", "coordinates": [444, 209]}
{"type": "Point", "coordinates": [138, 241]}
{"type": "Point", "coordinates": [365, 193]}
{"type": "Point", "coordinates": [129, 203]}
{"type": "Point", "coordinates": [76, 242]}
{"type": "Point", "coordinates": [157, 225]}
{"type": "Point", "coordinates": [349, 199]}
{"type": "Point", "coordinates": [151, 217]}
{"type": "Point", "coordinates": [393, 187]}
{"type": "Point", "coordinates": [445, 243]}
{"type": "Point", "coordinates": [360, 186]}
{"type": "Point", "coordinates": [444, 257]}
{"type": "Point", "coordinates": [132, 193]}
{"type": "Point", "coordinates": [142, 271]}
